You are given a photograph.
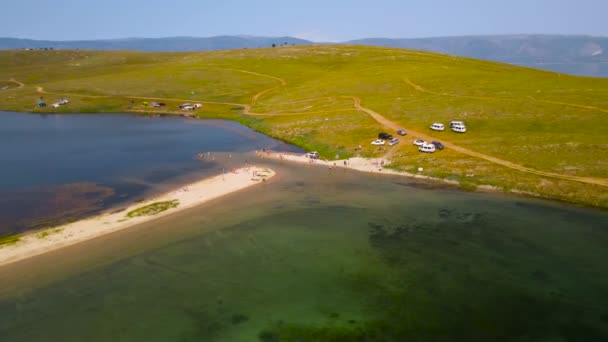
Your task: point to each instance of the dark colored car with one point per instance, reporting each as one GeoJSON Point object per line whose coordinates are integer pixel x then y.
{"type": "Point", "coordinates": [438, 145]}
{"type": "Point", "coordinates": [401, 132]}
{"type": "Point", "coordinates": [385, 136]}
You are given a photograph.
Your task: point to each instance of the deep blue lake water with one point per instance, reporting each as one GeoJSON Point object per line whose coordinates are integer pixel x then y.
{"type": "Point", "coordinates": [57, 167]}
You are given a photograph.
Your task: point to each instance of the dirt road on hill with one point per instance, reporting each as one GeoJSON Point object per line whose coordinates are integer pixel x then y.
{"type": "Point", "coordinates": [12, 80]}
{"type": "Point", "coordinates": [19, 84]}
{"type": "Point", "coordinates": [395, 126]}
{"type": "Point", "coordinates": [529, 99]}
{"type": "Point", "coordinates": [247, 110]}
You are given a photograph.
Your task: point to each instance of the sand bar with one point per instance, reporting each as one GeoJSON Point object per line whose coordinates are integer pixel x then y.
{"type": "Point", "coordinates": [191, 195]}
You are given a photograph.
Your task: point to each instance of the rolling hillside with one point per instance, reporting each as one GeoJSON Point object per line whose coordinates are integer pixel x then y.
{"type": "Point", "coordinates": [576, 55]}
{"type": "Point", "coordinates": [529, 131]}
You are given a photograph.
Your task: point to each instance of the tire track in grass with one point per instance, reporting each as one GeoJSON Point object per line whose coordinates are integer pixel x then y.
{"type": "Point", "coordinates": [247, 110]}
{"type": "Point", "coordinates": [530, 99]}
{"type": "Point", "coordinates": [395, 126]}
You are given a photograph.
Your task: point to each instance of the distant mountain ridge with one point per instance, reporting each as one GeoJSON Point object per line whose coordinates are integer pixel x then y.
{"type": "Point", "coordinates": [170, 44]}
{"type": "Point", "coordinates": [576, 55]}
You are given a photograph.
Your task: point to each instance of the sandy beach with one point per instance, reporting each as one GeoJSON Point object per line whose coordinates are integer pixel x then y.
{"type": "Point", "coordinates": [191, 195]}
{"type": "Point", "coordinates": [371, 165]}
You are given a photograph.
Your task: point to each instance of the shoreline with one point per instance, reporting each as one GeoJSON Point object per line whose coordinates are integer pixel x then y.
{"type": "Point", "coordinates": [39, 242]}
{"type": "Point", "coordinates": [479, 187]}
{"type": "Point", "coordinates": [375, 166]}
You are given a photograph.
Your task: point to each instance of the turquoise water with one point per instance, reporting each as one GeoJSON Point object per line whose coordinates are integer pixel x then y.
{"type": "Point", "coordinates": [316, 255]}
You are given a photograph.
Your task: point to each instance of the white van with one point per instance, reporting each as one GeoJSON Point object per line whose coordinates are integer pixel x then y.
{"type": "Point", "coordinates": [312, 155]}
{"type": "Point", "coordinates": [437, 126]}
{"type": "Point", "coordinates": [427, 148]}
{"type": "Point", "coordinates": [456, 123]}
{"type": "Point", "coordinates": [459, 128]}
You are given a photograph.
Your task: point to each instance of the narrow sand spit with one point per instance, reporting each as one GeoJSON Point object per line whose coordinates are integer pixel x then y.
{"type": "Point", "coordinates": [188, 196]}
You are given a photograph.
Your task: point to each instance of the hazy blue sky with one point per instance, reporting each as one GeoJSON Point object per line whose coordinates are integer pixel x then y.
{"type": "Point", "coordinates": [319, 20]}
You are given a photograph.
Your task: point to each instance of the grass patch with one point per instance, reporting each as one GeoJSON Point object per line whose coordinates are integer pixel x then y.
{"type": "Point", "coordinates": [467, 186]}
{"type": "Point", "coordinates": [153, 209]}
{"type": "Point", "coordinates": [9, 239]}
{"type": "Point", "coordinates": [48, 232]}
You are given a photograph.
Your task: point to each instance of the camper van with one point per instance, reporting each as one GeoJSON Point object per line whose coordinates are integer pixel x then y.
{"type": "Point", "coordinates": [437, 126]}
{"type": "Point", "coordinates": [427, 148]}
{"type": "Point", "coordinates": [456, 123]}
{"type": "Point", "coordinates": [459, 128]}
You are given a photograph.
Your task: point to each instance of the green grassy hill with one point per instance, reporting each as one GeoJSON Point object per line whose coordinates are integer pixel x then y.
{"type": "Point", "coordinates": [532, 120]}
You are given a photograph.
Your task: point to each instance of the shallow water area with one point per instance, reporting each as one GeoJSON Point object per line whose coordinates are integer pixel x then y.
{"type": "Point", "coordinates": [317, 255]}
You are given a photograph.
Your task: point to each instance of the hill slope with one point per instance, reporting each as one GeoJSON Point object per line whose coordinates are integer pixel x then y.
{"type": "Point", "coordinates": [576, 55]}
{"type": "Point", "coordinates": [529, 130]}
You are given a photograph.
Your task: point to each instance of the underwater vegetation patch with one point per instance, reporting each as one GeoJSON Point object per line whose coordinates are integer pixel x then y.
{"type": "Point", "coordinates": [153, 209]}
{"type": "Point", "coordinates": [9, 239]}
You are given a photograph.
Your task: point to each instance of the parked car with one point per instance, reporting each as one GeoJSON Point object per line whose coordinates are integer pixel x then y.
{"type": "Point", "coordinates": [427, 148]}
{"type": "Point", "coordinates": [456, 123]}
{"type": "Point", "coordinates": [197, 105]}
{"type": "Point", "coordinates": [437, 126]}
{"type": "Point", "coordinates": [378, 142]}
{"type": "Point", "coordinates": [459, 129]}
{"type": "Point", "coordinates": [438, 145]}
{"type": "Point", "coordinates": [312, 155]}
{"type": "Point", "coordinates": [385, 136]}
{"type": "Point", "coordinates": [184, 105]}
{"type": "Point", "coordinates": [419, 142]}
{"type": "Point", "coordinates": [401, 132]}
{"type": "Point", "coordinates": [187, 107]}
{"type": "Point", "coordinates": [393, 142]}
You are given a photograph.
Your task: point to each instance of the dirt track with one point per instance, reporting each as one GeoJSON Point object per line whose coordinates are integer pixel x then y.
{"type": "Point", "coordinates": [19, 84]}
{"type": "Point", "coordinates": [530, 99]}
{"type": "Point", "coordinates": [247, 109]}
{"type": "Point", "coordinates": [394, 126]}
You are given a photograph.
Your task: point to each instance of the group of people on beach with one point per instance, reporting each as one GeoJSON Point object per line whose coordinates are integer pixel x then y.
{"type": "Point", "coordinates": [182, 190]}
